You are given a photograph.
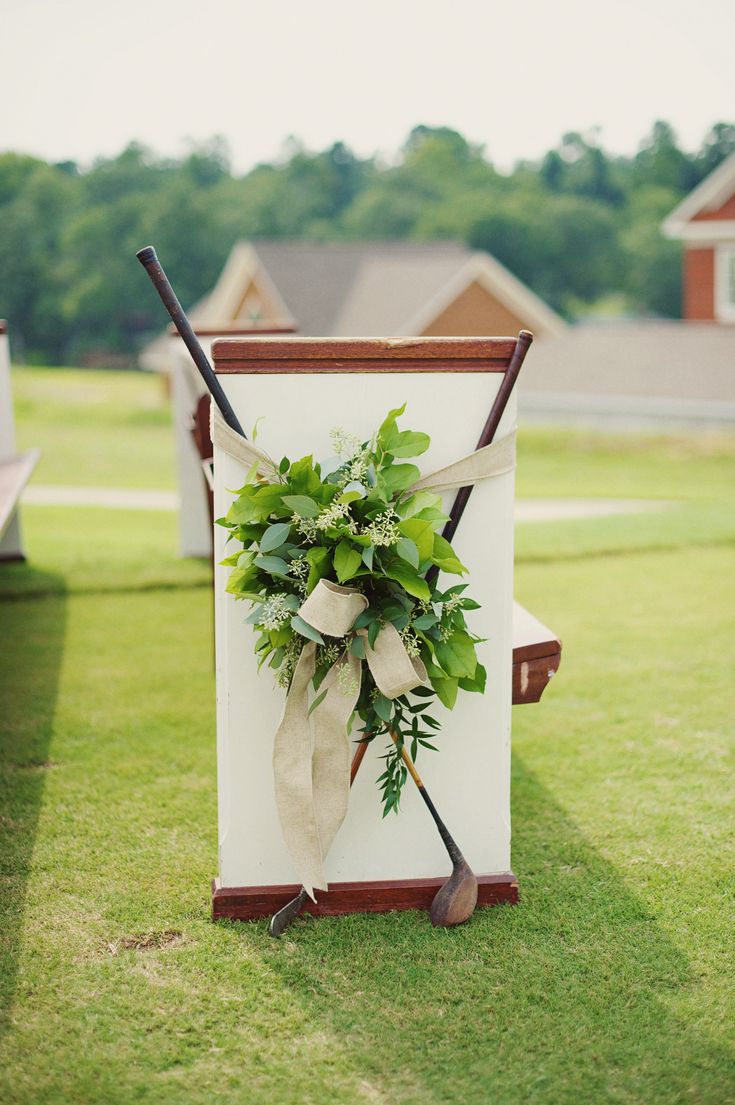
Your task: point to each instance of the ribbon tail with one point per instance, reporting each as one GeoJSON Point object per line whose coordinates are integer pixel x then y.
{"type": "Point", "coordinates": [238, 447]}
{"type": "Point", "coordinates": [331, 764]}
{"type": "Point", "coordinates": [292, 771]}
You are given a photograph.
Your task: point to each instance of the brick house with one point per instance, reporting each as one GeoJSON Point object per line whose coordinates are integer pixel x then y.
{"type": "Point", "coordinates": [705, 222]}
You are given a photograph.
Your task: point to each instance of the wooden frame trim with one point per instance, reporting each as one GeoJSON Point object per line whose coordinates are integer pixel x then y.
{"type": "Point", "coordinates": [298, 354]}
{"type": "Point", "coordinates": [252, 903]}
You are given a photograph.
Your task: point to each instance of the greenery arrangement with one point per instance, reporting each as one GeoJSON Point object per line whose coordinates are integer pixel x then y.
{"type": "Point", "coordinates": [358, 523]}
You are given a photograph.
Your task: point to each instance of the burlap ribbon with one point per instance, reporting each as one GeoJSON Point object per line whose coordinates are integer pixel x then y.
{"type": "Point", "coordinates": [492, 460]}
{"type": "Point", "coordinates": [311, 753]}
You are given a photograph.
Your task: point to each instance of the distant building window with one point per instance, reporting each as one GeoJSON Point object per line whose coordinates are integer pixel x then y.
{"type": "Point", "coordinates": [725, 283]}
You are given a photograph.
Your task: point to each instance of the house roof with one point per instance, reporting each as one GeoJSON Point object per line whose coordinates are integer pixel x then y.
{"type": "Point", "coordinates": [709, 196]}
{"type": "Point", "coordinates": [371, 288]}
{"type": "Point", "coordinates": [688, 362]}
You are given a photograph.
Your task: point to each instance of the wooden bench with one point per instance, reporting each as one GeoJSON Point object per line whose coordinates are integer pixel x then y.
{"type": "Point", "coordinates": [536, 656]}
{"type": "Point", "coordinates": [15, 468]}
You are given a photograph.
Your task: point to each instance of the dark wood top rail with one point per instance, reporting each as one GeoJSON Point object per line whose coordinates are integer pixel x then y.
{"type": "Point", "coordinates": [298, 354]}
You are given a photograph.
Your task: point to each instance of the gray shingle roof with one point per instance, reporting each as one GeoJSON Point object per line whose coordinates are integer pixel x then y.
{"type": "Point", "coordinates": [358, 289]}
{"type": "Point", "coordinates": [671, 359]}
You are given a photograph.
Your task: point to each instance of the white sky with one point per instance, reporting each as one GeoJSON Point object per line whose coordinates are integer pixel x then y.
{"type": "Point", "coordinates": [83, 77]}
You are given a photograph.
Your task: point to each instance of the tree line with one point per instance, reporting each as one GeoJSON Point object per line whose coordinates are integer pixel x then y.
{"type": "Point", "coordinates": [580, 226]}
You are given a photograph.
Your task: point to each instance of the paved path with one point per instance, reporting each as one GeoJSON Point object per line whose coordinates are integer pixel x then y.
{"type": "Point", "coordinates": [557, 510]}
{"type": "Point", "coordinates": [526, 510]}
{"type": "Point", "coordinates": [119, 498]}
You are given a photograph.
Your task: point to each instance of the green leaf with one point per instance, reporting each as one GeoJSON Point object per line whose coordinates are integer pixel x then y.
{"type": "Point", "coordinates": [240, 580]}
{"type": "Point", "coordinates": [388, 425]}
{"type": "Point", "coordinates": [301, 505]}
{"type": "Point", "coordinates": [420, 500]}
{"type": "Point", "coordinates": [321, 563]}
{"type": "Point", "coordinates": [273, 565]}
{"type": "Point", "coordinates": [317, 702]}
{"type": "Point", "coordinates": [367, 557]}
{"type": "Point", "coordinates": [284, 466]}
{"type": "Point", "coordinates": [477, 682]}
{"type": "Point", "coordinates": [357, 647]}
{"type": "Point", "coordinates": [431, 514]}
{"type": "Point", "coordinates": [346, 561]}
{"type": "Point", "coordinates": [398, 477]}
{"type": "Point", "coordinates": [242, 510]}
{"type": "Point", "coordinates": [408, 579]}
{"type": "Point", "coordinates": [446, 690]}
{"type": "Point", "coordinates": [421, 533]}
{"type": "Point", "coordinates": [274, 536]}
{"type": "Point", "coordinates": [350, 497]}
{"type": "Point", "coordinates": [425, 621]}
{"type": "Point", "coordinates": [407, 550]}
{"type": "Point", "coordinates": [306, 630]}
{"type": "Point", "coordinates": [361, 539]}
{"type": "Point", "coordinates": [303, 477]}
{"type": "Point", "coordinates": [457, 655]}
{"type": "Point", "coordinates": [383, 707]}
{"type": "Point", "coordinates": [408, 444]}
{"type": "Point", "coordinates": [444, 556]}
{"type": "Point", "coordinates": [373, 631]}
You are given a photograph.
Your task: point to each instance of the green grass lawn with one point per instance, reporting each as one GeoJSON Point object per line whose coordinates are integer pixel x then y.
{"type": "Point", "coordinates": [95, 429]}
{"type": "Point", "coordinates": [612, 981]}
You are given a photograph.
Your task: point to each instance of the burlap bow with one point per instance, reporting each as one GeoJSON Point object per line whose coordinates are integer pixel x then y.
{"type": "Point", "coordinates": [312, 769]}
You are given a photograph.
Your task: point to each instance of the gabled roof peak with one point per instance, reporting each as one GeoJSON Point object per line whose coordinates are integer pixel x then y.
{"type": "Point", "coordinates": [709, 195]}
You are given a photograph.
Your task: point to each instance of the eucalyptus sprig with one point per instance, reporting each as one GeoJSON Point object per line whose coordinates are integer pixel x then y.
{"type": "Point", "coordinates": [358, 524]}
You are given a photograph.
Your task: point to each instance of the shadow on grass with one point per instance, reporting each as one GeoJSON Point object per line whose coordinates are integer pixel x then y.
{"type": "Point", "coordinates": [565, 998]}
{"type": "Point", "coordinates": [32, 636]}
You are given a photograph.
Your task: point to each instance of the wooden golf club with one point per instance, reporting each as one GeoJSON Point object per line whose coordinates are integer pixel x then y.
{"type": "Point", "coordinates": [457, 889]}
{"type": "Point", "coordinates": [455, 901]}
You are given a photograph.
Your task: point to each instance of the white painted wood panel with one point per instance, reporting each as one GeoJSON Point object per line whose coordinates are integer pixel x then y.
{"type": "Point", "coordinates": [469, 778]}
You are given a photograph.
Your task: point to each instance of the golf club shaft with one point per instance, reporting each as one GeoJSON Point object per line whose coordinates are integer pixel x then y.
{"type": "Point", "coordinates": [449, 842]}
{"type": "Point", "coordinates": [491, 425]}
{"type": "Point", "coordinates": [161, 283]}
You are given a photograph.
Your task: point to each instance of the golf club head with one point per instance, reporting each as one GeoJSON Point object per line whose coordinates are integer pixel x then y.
{"type": "Point", "coordinates": [280, 921]}
{"type": "Point", "coordinates": [455, 901]}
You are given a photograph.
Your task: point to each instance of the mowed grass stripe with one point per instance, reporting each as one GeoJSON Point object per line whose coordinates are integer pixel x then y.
{"type": "Point", "coordinates": [609, 982]}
